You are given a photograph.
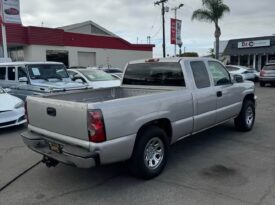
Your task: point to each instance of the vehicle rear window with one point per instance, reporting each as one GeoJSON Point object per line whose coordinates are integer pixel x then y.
{"type": "Point", "coordinates": [200, 74]}
{"type": "Point", "coordinates": [269, 67]}
{"type": "Point", "coordinates": [11, 73]}
{"type": "Point", "coordinates": [154, 74]}
{"type": "Point", "coordinates": [2, 73]}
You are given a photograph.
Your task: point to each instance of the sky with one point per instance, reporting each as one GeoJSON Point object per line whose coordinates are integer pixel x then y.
{"type": "Point", "coordinates": [135, 20]}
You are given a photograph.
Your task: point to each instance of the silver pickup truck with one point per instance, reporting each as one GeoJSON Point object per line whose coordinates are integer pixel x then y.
{"type": "Point", "coordinates": [160, 102]}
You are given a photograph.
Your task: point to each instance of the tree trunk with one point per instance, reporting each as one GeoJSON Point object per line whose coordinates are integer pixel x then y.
{"type": "Point", "coordinates": [217, 37]}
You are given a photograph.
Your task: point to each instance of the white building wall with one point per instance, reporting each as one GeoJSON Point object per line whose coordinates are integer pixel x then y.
{"type": "Point", "coordinates": [113, 57]}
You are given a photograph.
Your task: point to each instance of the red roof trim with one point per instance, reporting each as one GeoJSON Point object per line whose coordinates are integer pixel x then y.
{"type": "Point", "coordinates": [17, 34]}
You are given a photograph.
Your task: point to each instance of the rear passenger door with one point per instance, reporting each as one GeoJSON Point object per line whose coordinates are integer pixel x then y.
{"type": "Point", "coordinates": [205, 100]}
{"type": "Point", "coordinates": [229, 97]}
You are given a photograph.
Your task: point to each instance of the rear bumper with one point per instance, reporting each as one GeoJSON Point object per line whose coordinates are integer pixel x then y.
{"type": "Point", "coordinates": [79, 156]}
{"type": "Point", "coordinates": [267, 80]}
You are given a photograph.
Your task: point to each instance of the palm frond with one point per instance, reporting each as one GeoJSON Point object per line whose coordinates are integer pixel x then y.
{"type": "Point", "coordinates": [202, 15]}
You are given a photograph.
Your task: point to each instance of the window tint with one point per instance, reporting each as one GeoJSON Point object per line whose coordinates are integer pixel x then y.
{"type": "Point", "coordinates": [46, 71]}
{"type": "Point", "coordinates": [155, 74]}
{"type": "Point", "coordinates": [2, 73]}
{"type": "Point", "coordinates": [200, 74]}
{"type": "Point", "coordinates": [22, 72]}
{"type": "Point", "coordinates": [11, 73]}
{"type": "Point", "coordinates": [219, 73]}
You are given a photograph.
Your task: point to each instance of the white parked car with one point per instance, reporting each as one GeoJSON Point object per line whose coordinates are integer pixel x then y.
{"type": "Point", "coordinates": [246, 72]}
{"type": "Point", "coordinates": [94, 78]}
{"type": "Point", "coordinates": [12, 110]}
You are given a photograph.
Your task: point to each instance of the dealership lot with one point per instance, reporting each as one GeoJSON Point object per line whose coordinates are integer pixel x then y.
{"type": "Point", "coordinates": [219, 166]}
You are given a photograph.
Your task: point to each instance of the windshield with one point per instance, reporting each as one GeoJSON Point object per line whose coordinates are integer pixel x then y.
{"type": "Point", "coordinates": [232, 68]}
{"type": "Point", "coordinates": [269, 67]}
{"type": "Point", "coordinates": [47, 71]}
{"type": "Point", "coordinates": [155, 74]}
{"type": "Point", "coordinates": [97, 75]}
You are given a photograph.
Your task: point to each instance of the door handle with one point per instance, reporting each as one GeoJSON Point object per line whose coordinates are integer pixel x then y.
{"type": "Point", "coordinates": [51, 111]}
{"type": "Point", "coordinates": [219, 94]}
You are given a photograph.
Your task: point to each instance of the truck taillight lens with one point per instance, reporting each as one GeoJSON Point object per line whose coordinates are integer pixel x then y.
{"type": "Point", "coordinates": [96, 125]}
{"type": "Point", "coordinates": [26, 112]}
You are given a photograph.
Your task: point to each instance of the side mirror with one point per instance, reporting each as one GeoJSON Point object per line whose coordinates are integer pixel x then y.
{"type": "Point", "coordinates": [23, 80]}
{"type": "Point", "coordinates": [238, 78]}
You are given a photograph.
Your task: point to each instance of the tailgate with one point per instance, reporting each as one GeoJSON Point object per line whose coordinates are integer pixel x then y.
{"type": "Point", "coordinates": [61, 117]}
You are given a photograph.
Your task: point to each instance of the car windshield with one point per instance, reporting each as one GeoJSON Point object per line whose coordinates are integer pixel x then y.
{"type": "Point", "coordinates": [269, 67]}
{"type": "Point", "coordinates": [97, 75]}
{"type": "Point", "coordinates": [232, 68]}
{"type": "Point", "coordinates": [47, 71]}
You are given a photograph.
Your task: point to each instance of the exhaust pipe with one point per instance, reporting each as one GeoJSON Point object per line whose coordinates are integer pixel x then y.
{"type": "Point", "coordinates": [50, 162]}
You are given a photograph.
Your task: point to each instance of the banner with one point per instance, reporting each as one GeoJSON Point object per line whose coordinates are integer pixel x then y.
{"type": "Point", "coordinates": [175, 31]}
{"type": "Point", "coordinates": [10, 11]}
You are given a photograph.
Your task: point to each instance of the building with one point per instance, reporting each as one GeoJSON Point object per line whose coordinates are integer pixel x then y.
{"type": "Point", "coordinates": [82, 44]}
{"type": "Point", "coordinates": [251, 52]}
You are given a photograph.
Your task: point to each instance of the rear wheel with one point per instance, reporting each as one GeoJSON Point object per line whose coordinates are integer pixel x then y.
{"type": "Point", "coordinates": [245, 120]}
{"type": "Point", "coordinates": [150, 153]}
{"type": "Point", "coordinates": [262, 84]}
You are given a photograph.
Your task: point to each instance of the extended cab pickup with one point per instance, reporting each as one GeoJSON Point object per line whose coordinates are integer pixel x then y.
{"type": "Point", "coordinates": [160, 102]}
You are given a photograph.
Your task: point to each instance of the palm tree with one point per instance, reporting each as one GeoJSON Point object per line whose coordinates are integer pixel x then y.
{"type": "Point", "coordinates": [212, 11]}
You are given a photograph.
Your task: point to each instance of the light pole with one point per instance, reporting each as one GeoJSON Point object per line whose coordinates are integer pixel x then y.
{"type": "Point", "coordinates": [175, 9]}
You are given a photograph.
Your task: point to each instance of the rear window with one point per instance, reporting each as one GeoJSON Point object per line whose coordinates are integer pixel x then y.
{"type": "Point", "coordinates": [154, 74]}
{"type": "Point", "coordinates": [269, 67]}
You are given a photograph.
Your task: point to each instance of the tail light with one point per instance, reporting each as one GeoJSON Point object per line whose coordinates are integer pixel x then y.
{"type": "Point", "coordinates": [262, 73]}
{"type": "Point", "coordinates": [96, 126]}
{"type": "Point", "coordinates": [26, 112]}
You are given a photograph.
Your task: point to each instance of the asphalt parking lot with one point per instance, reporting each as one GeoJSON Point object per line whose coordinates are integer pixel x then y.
{"type": "Point", "coordinates": [219, 166]}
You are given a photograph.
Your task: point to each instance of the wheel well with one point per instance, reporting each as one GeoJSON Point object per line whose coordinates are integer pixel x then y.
{"type": "Point", "coordinates": [250, 97]}
{"type": "Point", "coordinates": [164, 124]}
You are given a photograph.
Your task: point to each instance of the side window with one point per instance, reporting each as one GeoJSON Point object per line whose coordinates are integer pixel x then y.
{"type": "Point", "coordinates": [22, 72]}
{"type": "Point", "coordinates": [200, 74]}
{"type": "Point", "coordinates": [11, 73]}
{"type": "Point", "coordinates": [219, 73]}
{"type": "Point", "coordinates": [2, 73]}
{"type": "Point", "coordinates": [72, 73]}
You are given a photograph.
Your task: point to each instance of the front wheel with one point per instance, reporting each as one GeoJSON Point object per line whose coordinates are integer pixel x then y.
{"type": "Point", "coordinates": [150, 153]}
{"type": "Point", "coordinates": [245, 121]}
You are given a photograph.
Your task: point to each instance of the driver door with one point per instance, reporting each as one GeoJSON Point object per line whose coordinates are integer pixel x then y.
{"type": "Point", "coordinates": [229, 97]}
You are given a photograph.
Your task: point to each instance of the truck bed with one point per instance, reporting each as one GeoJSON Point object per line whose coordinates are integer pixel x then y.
{"type": "Point", "coordinates": [100, 95]}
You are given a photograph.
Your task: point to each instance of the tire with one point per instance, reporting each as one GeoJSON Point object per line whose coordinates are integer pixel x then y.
{"type": "Point", "coordinates": [245, 121]}
{"type": "Point", "coordinates": [262, 84]}
{"type": "Point", "coordinates": [150, 167]}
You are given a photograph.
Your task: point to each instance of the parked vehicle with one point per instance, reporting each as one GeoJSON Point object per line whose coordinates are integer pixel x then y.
{"type": "Point", "coordinates": [267, 74]}
{"type": "Point", "coordinates": [36, 78]}
{"type": "Point", "coordinates": [12, 110]}
{"type": "Point", "coordinates": [245, 72]}
{"type": "Point", "coordinates": [116, 72]}
{"type": "Point", "coordinates": [94, 78]}
{"type": "Point", "coordinates": [160, 102]}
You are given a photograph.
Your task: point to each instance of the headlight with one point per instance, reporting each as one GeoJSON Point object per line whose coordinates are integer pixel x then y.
{"type": "Point", "coordinates": [19, 105]}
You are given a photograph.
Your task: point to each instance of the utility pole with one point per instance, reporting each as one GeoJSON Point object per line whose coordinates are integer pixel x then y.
{"type": "Point", "coordinates": [175, 9]}
{"type": "Point", "coordinates": [163, 10]}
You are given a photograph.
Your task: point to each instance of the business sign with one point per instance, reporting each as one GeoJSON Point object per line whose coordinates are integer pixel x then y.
{"type": "Point", "coordinates": [254, 44]}
{"type": "Point", "coordinates": [175, 31]}
{"type": "Point", "coordinates": [10, 11]}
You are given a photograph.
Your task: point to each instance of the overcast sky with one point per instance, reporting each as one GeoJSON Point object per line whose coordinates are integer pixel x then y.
{"type": "Point", "coordinates": [131, 19]}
